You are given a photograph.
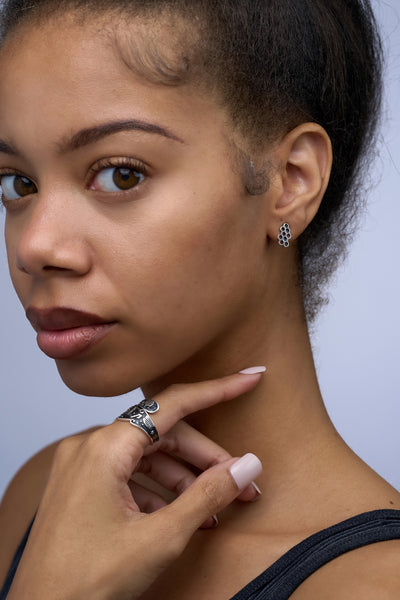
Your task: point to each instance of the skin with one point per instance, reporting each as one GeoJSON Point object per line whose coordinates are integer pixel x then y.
{"type": "Point", "coordinates": [188, 216]}
{"type": "Point", "coordinates": [188, 267]}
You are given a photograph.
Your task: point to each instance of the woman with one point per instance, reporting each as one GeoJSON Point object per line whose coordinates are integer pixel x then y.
{"type": "Point", "coordinates": [173, 174]}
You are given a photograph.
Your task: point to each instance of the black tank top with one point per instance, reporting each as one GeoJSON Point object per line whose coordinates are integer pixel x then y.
{"type": "Point", "coordinates": [282, 578]}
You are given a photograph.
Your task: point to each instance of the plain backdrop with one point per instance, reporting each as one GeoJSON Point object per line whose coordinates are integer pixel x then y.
{"type": "Point", "coordinates": [356, 339]}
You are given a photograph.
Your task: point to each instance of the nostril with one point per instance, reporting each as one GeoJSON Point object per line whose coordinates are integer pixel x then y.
{"type": "Point", "coordinates": [42, 252]}
{"type": "Point", "coordinates": [51, 268]}
{"type": "Point", "coordinates": [20, 266]}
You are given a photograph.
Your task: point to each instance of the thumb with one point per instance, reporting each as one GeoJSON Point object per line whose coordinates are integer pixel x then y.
{"type": "Point", "coordinates": [212, 491]}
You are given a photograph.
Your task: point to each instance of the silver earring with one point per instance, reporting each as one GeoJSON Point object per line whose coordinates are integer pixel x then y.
{"type": "Point", "coordinates": [285, 235]}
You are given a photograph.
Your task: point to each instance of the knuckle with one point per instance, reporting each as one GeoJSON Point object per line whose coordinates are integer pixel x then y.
{"type": "Point", "coordinates": [169, 443]}
{"type": "Point", "coordinates": [66, 448]}
{"type": "Point", "coordinates": [152, 504]}
{"type": "Point", "coordinates": [94, 444]}
{"type": "Point", "coordinates": [69, 446]}
{"type": "Point", "coordinates": [218, 458]}
{"type": "Point", "coordinates": [176, 388]}
{"type": "Point", "coordinates": [145, 465]}
{"type": "Point", "coordinates": [183, 484]}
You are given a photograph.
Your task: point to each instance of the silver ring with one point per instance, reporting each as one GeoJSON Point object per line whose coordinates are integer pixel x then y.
{"type": "Point", "coordinates": [138, 416]}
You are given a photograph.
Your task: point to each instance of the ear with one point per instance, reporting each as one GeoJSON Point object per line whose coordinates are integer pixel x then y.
{"type": "Point", "coordinates": [304, 157]}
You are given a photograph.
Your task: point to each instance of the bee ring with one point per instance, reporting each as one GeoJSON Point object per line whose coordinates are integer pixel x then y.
{"type": "Point", "coordinates": [139, 416]}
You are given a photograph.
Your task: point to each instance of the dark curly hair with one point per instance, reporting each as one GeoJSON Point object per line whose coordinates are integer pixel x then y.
{"type": "Point", "coordinates": [274, 64]}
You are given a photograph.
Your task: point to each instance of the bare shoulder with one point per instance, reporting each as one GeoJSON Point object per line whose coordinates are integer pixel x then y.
{"type": "Point", "coordinates": [369, 572]}
{"type": "Point", "coordinates": [20, 502]}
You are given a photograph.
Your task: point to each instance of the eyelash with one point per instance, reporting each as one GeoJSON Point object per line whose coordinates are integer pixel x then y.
{"type": "Point", "coordinates": [102, 164]}
{"type": "Point", "coordinates": [117, 163]}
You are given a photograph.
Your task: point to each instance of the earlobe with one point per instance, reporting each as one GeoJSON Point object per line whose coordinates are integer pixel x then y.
{"type": "Point", "coordinates": [305, 158]}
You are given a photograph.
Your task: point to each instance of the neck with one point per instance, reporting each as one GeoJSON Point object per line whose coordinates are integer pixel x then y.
{"type": "Point", "coordinates": [283, 420]}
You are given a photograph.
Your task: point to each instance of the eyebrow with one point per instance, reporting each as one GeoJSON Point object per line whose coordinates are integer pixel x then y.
{"type": "Point", "coordinates": [7, 149]}
{"type": "Point", "coordinates": [90, 135]}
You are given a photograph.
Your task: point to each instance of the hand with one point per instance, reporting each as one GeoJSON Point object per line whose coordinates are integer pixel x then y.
{"type": "Point", "coordinates": [90, 539]}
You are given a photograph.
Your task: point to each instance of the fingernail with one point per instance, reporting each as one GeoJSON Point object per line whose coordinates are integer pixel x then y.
{"type": "Point", "coordinates": [245, 470]}
{"type": "Point", "coordinates": [210, 523]}
{"type": "Point", "coordinates": [253, 370]}
{"type": "Point", "coordinates": [255, 486]}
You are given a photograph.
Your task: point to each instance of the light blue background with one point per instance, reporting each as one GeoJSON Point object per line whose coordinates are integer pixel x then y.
{"type": "Point", "coordinates": [356, 339]}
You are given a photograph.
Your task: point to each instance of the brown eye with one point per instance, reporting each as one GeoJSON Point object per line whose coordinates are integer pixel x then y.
{"type": "Point", "coordinates": [126, 178]}
{"type": "Point", "coordinates": [16, 186]}
{"type": "Point", "coordinates": [116, 179]}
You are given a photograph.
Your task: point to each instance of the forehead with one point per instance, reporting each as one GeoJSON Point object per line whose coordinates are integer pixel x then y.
{"type": "Point", "coordinates": [57, 78]}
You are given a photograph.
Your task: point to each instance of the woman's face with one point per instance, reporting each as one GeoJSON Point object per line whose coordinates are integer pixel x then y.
{"type": "Point", "coordinates": [123, 203]}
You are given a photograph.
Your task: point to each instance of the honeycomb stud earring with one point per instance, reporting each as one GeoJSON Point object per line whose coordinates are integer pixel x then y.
{"type": "Point", "coordinates": [285, 235]}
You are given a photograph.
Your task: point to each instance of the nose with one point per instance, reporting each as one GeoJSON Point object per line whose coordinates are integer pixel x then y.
{"type": "Point", "coordinates": [51, 240]}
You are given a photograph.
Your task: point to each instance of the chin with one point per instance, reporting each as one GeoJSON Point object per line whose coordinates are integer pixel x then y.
{"type": "Point", "coordinates": [93, 384]}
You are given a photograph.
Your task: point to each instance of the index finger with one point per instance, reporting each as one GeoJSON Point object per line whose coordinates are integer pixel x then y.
{"type": "Point", "coordinates": [180, 400]}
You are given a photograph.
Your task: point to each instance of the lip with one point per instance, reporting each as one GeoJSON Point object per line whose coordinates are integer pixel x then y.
{"type": "Point", "coordinates": [64, 333]}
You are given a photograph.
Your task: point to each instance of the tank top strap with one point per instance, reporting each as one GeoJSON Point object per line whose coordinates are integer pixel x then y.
{"type": "Point", "coordinates": [15, 562]}
{"type": "Point", "coordinates": [284, 576]}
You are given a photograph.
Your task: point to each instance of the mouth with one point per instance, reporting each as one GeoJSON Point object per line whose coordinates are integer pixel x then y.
{"type": "Point", "coordinates": [64, 333]}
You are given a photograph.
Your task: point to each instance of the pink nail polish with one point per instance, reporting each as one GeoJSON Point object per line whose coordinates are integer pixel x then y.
{"type": "Point", "coordinates": [253, 370]}
{"type": "Point", "coordinates": [245, 470]}
{"type": "Point", "coordinates": [210, 523]}
{"type": "Point", "coordinates": [215, 520]}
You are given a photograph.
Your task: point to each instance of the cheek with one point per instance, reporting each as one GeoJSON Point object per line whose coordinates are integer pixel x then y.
{"type": "Point", "coordinates": [185, 272]}
{"type": "Point", "coordinates": [19, 279]}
